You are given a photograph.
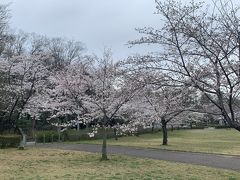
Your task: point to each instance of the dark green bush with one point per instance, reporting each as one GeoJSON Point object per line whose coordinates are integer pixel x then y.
{"type": "Point", "coordinates": [70, 135]}
{"type": "Point", "coordinates": [73, 135]}
{"type": "Point", "coordinates": [9, 141]}
{"type": "Point", "coordinates": [222, 127]}
{"type": "Point", "coordinates": [198, 127]}
{"type": "Point", "coordinates": [46, 136]}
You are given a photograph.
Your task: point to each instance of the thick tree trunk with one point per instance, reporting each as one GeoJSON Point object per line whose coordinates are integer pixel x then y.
{"type": "Point", "coordinates": [164, 131]}
{"type": "Point", "coordinates": [237, 126]}
{"type": "Point", "coordinates": [104, 145]}
{"type": "Point", "coordinates": [23, 141]}
{"type": "Point", "coordinates": [230, 122]}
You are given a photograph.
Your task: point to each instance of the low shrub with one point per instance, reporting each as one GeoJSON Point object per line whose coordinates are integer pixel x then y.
{"type": "Point", "coordinates": [197, 127]}
{"type": "Point", "coordinates": [10, 140]}
{"type": "Point", "coordinates": [46, 136]}
{"type": "Point", "coordinates": [71, 135]}
{"type": "Point", "coordinates": [222, 127]}
{"type": "Point", "coordinates": [74, 135]}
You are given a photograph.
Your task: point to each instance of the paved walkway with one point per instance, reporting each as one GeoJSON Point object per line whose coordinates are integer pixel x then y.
{"type": "Point", "coordinates": [211, 160]}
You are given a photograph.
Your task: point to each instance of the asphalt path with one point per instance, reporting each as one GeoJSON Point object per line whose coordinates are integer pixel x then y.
{"type": "Point", "coordinates": [204, 159]}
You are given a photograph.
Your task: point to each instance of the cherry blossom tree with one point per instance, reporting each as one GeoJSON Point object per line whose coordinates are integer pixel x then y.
{"type": "Point", "coordinates": [160, 101]}
{"type": "Point", "coordinates": [166, 104]}
{"type": "Point", "coordinates": [64, 94]}
{"type": "Point", "coordinates": [27, 65]}
{"type": "Point", "coordinates": [110, 91]}
{"type": "Point", "coordinates": [200, 47]}
{"type": "Point", "coordinates": [96, 89]}
{"type": "Point", "coordinates": [23, 76]}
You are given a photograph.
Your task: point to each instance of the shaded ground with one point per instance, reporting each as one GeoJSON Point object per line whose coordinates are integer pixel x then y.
{"type": "Point", "coordinates": [211, 160]}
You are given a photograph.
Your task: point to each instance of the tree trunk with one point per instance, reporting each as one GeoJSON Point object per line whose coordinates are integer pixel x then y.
{"type": "Point", "coordinates": [23, 141]}
{"type": "Point", "coordinates": [104, 145]}
{"type": "Point", "coordinates": [153, 127]}
{"type": "Point", "coordinates": [11, 124]}
{"type": "Point", "coordinates": [231, 122]}
{"type": "Point", "coordinates": [237, 126]}
{"type": "Point", "coordinates": [164, 131]}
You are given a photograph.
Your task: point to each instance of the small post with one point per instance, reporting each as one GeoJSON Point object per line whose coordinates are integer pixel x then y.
{"type": "Point", "coordinates": [44, 140]}
{"type": "Point", "coordinates": [59, 134]}
{"type": "Point", "coordinates": [35, 139]}
{"type": "Point", "coordinates": [62, 137]}
{"type": "Point", "coordinates": [78, 126]}
{"type": "Point", "coordinates": [52, 138]}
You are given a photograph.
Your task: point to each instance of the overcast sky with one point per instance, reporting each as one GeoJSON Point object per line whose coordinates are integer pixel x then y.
{"type": "Point", "coordinates": [97, 23]}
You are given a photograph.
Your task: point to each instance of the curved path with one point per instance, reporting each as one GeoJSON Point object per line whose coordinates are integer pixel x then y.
{"type": "Point", "coordinates": [211, 160]}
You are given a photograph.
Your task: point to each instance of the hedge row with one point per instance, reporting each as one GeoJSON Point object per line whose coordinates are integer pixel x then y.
{"type": "Point", "coordinates": [69, 135]}
{"type": "Point", "coordinates": [73, 135]}
{"type": "Point", "coordinates": [9, 141]}
{"type": "Point", "coordinates": [47, 136]}
{"type": "Point", "coordinates": [222, 127]}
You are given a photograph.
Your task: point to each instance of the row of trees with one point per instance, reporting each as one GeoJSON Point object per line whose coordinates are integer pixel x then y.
{"type": "Point", "coordinates": [26, 62]}
{"type": "Point", "coordinates": [197, 70]}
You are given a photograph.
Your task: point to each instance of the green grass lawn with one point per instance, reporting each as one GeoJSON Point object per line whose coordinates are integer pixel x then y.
{"type": "Point", "coordinates": [34, 163]}
{"type": "Point", "coordinates": [221, 141]}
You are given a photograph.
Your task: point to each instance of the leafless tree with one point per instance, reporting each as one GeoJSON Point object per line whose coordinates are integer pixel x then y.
{"type": "Point", "coordinates": [64, 52]}
{"type": "Point", "coordinates": [4, 17]}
